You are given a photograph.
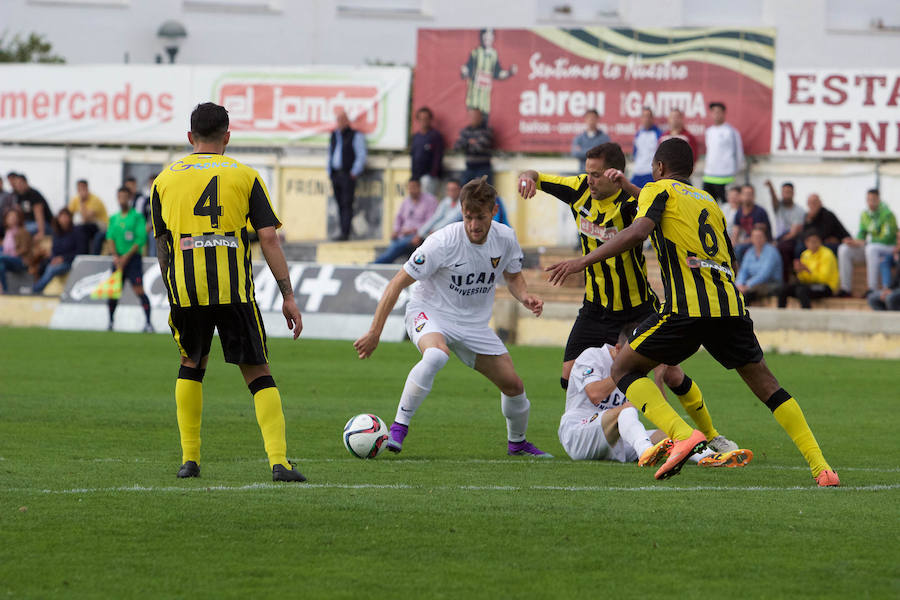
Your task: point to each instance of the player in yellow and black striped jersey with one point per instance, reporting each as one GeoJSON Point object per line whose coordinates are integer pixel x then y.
{"type": "Point", "coordinates": [201, 206]}
{"type": "Point", "coordinates": [617, 293]}
{"type": "Point", "coordinates": [702, 307]}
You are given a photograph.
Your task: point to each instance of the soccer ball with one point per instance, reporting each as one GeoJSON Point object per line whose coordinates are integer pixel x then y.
{"type": "Point", "coordinates": [365, 435]}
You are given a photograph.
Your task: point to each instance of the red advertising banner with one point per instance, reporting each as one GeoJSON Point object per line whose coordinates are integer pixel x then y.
{"type": "Point", "coordinates": [536, 84]}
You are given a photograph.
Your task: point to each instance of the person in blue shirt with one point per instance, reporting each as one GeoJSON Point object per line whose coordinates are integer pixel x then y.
{"type": "Point", "coordinates": [587, 139]}
{"type": "Point", "coordinates": [346, 161]}
{"type": "Point", "coordinates": [66, 241]}
{"type": "Point", "coordinates": [760, 272]}
{"type": "Point", "coordinates": [645, 142]}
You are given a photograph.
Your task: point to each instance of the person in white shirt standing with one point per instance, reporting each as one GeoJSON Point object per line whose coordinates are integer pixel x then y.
{"type": "Point", "coordinates": [724, 154]}
{"type": "Point", "coordinates": [645, 142]}
{"type": "Point", "coordinates": [601, 424]}
{"type": "Point", "coordinates": [455, 272]}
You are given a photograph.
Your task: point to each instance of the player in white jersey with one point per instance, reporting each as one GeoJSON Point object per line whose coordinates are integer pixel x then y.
{"type": "Point", "coordinates": [454, 274]}
{"type": "Point", "coordinates": [601, 424]}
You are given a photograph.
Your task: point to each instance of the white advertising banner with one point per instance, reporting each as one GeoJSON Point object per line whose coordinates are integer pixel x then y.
{"type": "Point", "coordinates": [836, 112]}
{"type": "Point", "coordinates": [151, 104]}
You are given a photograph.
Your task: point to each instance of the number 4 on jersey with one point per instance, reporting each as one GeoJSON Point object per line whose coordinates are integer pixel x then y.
{"type": "Point", "coordinates": [208, 204]}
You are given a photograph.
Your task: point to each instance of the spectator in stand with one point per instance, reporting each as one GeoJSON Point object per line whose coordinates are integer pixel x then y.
{"type": "Point", "coordinates": [7, 201]}
{"type": "Point", "coordinates": [446, 212]}
{"type": "Point", "coordinates": [874, 241]}
{"type": "Point", "coordinates": [34, 207]}
{"type": "Point", "coordinates": [889, 296]}
{"type": "Point", "coordinates": [677, 130]}
{"type": "Point", "coordinates": [748, 216]}
{"type": "Point", "coordinates": [760, 272]}
{"type": "Point", "coordinates": [416, 209]}
{"type": "Point", "coordinates": [140, 201]}
{"type": "Point", "coordinates": [817, 273]}
{"type": "Point", "coordinates": [15, 251]}
{"type": "Point", "coordinates": [824, 222]}
{"type": "Point", "coordinates": [645, 142]}
{"type": "Point", "coordinates": [789, 220]}
{"type": "Point", "coordinates": [66, 241]}
{"type": "Point", "coordinates": [89, 213]}
{"type": "Point", "coordinates": [731, 207]}
{"type": "Point", "coordinates": [587, 139]}
{"type": "Point", "coordinates": [724, 153]}
{"type": "Point", "coordinates": [476, 140]}
{"type": "Point", "coordinates": [427, 152]}
{"type": "Point", "coordinates": [346, 161]}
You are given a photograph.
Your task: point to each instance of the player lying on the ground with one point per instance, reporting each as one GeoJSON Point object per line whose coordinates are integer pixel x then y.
{"type": "Point", "coordinates": [703, 307]}
{"type": "Point", "coordinates": [601, 424]}
{"type": "Point", "coordinates": [616, 290]}
{"type": "Point", "coordinates": [455, 273]}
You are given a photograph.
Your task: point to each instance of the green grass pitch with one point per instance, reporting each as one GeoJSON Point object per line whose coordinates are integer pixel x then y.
{"type": "Point", "coordinates": [90, 506]}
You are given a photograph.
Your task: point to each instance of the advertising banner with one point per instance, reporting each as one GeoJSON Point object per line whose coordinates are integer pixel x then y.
{"type": "Point", "coordinates": [151, 104]}
{"type": "Point", "coordinates": [536, 84]}
{"type": "Point", "coordinates": [837, 112]}
{"type": "Point", "coordinates": [336, 302]}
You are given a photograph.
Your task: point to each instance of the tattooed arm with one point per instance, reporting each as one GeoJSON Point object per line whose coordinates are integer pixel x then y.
{"type": "Point", "coordinates": [162, 252]}
{"type": "Point", "coordinates": [271, 248]}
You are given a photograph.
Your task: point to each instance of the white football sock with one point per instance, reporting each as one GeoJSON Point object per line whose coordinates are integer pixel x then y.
{"type": "Point", "coordinates": [515, 409]}
{"type": "Point", "coordinates": [418, 383]}
{"type": "Point", "coordinates": [632, 431]}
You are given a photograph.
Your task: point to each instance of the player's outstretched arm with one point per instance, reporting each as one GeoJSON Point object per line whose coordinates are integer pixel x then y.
{"type": "Point", "coordinates": [367, 343]}
{"type": "Point", "coordinates": [271, 248]}
{"type": "Point", "coordinates": [628, 238]}
{"type": "Point", "coordinates": [598, 391]}
{"type": "Point", "coordinates": [515, 283]}
{"type": "Point", "coordinates": [528, 184]}
{"type": "Point", "coordinates": [618, 177]}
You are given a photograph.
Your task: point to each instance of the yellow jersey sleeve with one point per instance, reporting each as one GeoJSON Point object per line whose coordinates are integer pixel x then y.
{"type": "Point", "coordinates": [652, 201]}
{"type": "Point", "coordinates": [567, 189]}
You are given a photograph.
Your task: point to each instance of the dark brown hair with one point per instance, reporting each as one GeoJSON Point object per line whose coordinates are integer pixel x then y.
{"type": "Point", "coordinates": [478, 194]}
{"type": "Point", "coordinates": [610, 153]}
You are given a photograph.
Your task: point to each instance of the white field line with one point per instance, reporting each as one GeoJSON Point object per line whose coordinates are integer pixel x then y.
{"type": "Point", "coordinates": [496, 461]}
{"type": "Point", "coordinates": [465, 488]}
{"type": "Point", "coordinates": [483, 461]}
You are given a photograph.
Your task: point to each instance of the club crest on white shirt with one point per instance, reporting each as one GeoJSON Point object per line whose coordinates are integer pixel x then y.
{"type": "Point", "coordinates": [495, 260]}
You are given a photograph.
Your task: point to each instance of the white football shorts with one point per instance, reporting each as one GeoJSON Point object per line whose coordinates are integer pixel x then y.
{"type": "Point", "coordinates": [465, 341]}
{"type": "Point", "coordinates": [582, 438]}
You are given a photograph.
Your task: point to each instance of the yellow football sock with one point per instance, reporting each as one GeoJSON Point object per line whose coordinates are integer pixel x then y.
{"type": "Point", "coordinates": [271, 423]}
{"type": "Point", "coordinates": [693, 403]}
{"type": "Point", "coordinates": [790, 417]}
{"type": "Point", "coordinates": [644, 394]}
{"type": "Point", "coordinates": [189, 411]}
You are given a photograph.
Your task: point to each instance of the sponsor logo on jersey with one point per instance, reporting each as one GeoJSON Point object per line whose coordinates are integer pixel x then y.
{"type": "Point", "coordinates": [695, 263]}
{"type": "Point", "coordinates": [495, 260]}
{"type": "Point", "coordinates": [419, 259]}
{"type": "Point", "coordinates": [183, 166]}
{"type": "Point", "coordinates": [208, 241]}
{"type": "Point", "coordinates": [591, 420]}
{"type": "Point", "coordinates": [597, 231]}
{"type": "Point", "coordinates": [588, 371]}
